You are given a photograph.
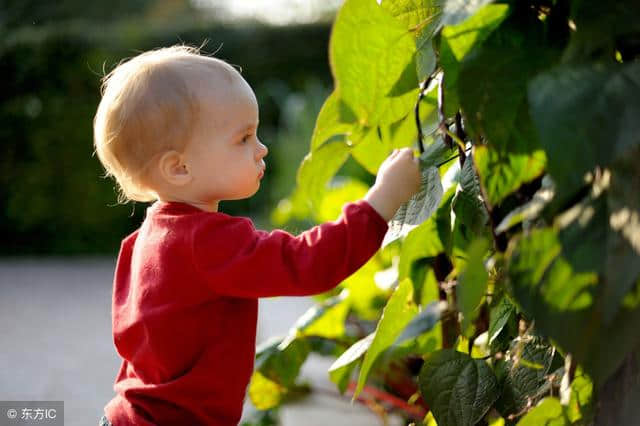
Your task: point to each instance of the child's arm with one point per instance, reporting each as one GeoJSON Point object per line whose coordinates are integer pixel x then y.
{"type": "Point", "coordinates": [244, 262]}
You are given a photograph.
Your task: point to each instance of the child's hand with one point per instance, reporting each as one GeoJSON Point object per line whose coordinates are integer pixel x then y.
{"type": "Point", "coordinates": [398, 179]}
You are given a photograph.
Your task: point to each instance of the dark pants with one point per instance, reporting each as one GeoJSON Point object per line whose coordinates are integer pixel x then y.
{"type": "Point", "coordinates": [104, 422]}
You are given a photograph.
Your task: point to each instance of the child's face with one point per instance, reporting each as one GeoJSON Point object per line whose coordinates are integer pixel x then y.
{"type": "Point", "coordinates": [225, 156]}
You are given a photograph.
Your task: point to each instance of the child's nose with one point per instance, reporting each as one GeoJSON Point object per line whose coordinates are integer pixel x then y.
{"type": "Point", "coordinates": [263, 151]}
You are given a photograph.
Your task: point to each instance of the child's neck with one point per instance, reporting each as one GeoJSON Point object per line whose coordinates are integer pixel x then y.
{"type": "Point", "coordinates": [211, 207]}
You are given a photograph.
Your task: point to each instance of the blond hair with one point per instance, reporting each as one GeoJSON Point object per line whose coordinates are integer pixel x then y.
{"type": "Point", "coordinates": [148, 108]}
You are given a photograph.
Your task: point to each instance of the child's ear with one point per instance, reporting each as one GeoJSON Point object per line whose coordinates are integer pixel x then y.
{"type": "Point", "coordinates": [173, 169]}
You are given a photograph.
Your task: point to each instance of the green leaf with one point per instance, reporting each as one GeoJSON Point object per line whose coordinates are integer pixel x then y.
{"type": "Point", "coordinates": [318, 167]}
{"type": "Point", "coordinates": [365, 297]}
{"type": "Point", "coordinates": [334, 118]}
{"type": "Point", "coordinates": [340, 192]}
{"type": "Point", "coordinates": [458, 40]}
{"type": "Point", "coordinates": [281, 366]}
{"type": "Point", "coordinates": [592, 118]}
{"type": "Point", "coordinates": [371, 146]}
{"type": "Point", "coordinates": [463, 37]}
{"type": "Point", "coordinates": [265, 393]}
{"type": "Point", "coordinates": [602, 233]}
{"type": "Point", "coordinates": [467, 203]}
{"type": "Point", "coordinates": [295, 206]}
{"type": "Point", "coordinates": [423, 322]}
{"type": "Point", "coordinates": [459, 389]}
{"type": "Point", "coordinates": [581, 399]}
{"type": "Point", "coordinates": [369, 149]}
{"type": "Point", "coordinates": [492, 85]}
{"type": "Point", "coordinates": [422, 204]}
{"type": "Point", "coordinates": [502, 173]}
{"type": "Point", "coordinates": [548, 412]}
{"type": "Point", "coordinates": [472, 283]}
{"type": "Point", "coordinates": [421, 17]}
{"type": "Point", "coordinates": [398, 312]}
{"type": "Point", "coordinates": [342, 376]}
{"type": "Point", "coordinates": [423, 241]}
{"type": "Point", "coordinates": [499, 317]}
{"type": "Point", "coordinates": [354, 352]}
{"type": "Point", "coordinates": [564, 301]}
{"type": "Point", "coordinates": [425, 284]}
{"type": "Point", "coordinates": [425, 61]}
{"type": "Point", "coordinates": [523, 376]}
{"type": "Point", "coordinates": [369, 65]}
{"type": "Point", "coordinates": [324, 320]}
{"type": "Point", "coordinates": [404, 133]}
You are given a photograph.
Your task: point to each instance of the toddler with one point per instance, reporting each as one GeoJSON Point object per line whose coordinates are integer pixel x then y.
{"type": "Point", "coordinates": [179, 128]}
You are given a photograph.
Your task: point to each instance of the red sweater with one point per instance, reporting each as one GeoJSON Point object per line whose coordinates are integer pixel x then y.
{"type": "Point", "coordinates": [185, 304]}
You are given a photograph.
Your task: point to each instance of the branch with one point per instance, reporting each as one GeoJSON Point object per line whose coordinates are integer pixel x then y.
{"type": "Point", "coordinates": [460, 133]}
{"type": "Point", "coordinates": [443, 125]}
{"type": "Point", "coordinates": [423, 90]}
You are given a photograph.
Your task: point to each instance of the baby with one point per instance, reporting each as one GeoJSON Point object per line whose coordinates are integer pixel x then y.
{"type": "Point", "coordinates": [180, 128]}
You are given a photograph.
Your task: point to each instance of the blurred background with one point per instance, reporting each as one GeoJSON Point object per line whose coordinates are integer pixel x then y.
{"type": "Point", "coordinates": [53, 200]}
{"type": "Point", "coordinates": [59, 221]}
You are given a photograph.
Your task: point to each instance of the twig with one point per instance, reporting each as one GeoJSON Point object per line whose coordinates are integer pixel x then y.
{"type": "Point", "coordinates": [452, 158]}
{"type": "Point", "coordinates": [443, 125]}
{"type": "Point", "coordinates": [423, 90]}
{"type": "Point", "coordinates": [460, 133]}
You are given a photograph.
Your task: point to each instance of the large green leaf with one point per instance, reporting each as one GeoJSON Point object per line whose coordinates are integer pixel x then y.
{"type": "Point", "coordinates": [492, 85]}
{"type": "Point", "coordinates": [587, 114]}
{"type": "Point", "coordinates": [318, 167]}
{"type": "Point", "coordinates": [372, 57]}
{"type": "Point", "coordinates": [342, 376]}
{"type": "Point", "coordinates": [567, 305]}
{"type": "Point", "coordinates": [581, 398]}
{"type": "Point", "coordinates": [424, 18]}
{"type": "Point", "coordinates": [325, 320]}
{"type": "Point", "coordinates": [423, 322]}
{"type": "Point", "coordinates": [340, 192]}
{"type": "Point", "coordinates": [472, 283]}
{"type": "Point", "coordinates": [502, 173]}
{"type": "Point", "coordinates": [458, 40]}
{"type": "Point", "coordinates": [334, 118]}
{"type": "Point", "coordinates": [421, 17]}
{"type": "Point", "coordinates": [548, 412]}
{"type": "Point", "coordinates": [281, 366]}
{"type": "Point", "coordinates": [602, 233]}
{"type": "Point", "coordinates": [265, 393]}
{"type": "Point", "coordinates": [499, 317]}
{"type": "Point", "coordinates": [369, 149]}
{"type": "Point", "coordinates": [459, 389]}
{"type": "Point", "coordinates": [523, 376]}
{"type": "Point", "coordinates": [463, 37]}
{"type": "Point", "coordinates": [398, 312]}
{"type": "Point", "coordinates": [354, 352]}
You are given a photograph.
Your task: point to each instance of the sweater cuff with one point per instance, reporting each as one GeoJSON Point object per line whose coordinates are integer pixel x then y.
{"type": "Point", "coordinates": [379, 222]}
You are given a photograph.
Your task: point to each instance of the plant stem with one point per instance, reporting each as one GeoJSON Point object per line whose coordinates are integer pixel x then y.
{"type": "Point", "coordinates": [423, 90]}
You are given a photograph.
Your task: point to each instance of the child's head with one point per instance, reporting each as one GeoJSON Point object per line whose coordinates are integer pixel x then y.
{"type": "Point", "coordinates": [175, 124]}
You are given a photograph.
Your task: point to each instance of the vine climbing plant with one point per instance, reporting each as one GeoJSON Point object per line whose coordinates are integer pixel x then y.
{"type": "Point", "coordinates": [507, 291]}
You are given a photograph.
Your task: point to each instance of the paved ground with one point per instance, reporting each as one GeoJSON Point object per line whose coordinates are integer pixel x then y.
{"type": "Point", "coordinates": [56, 342]}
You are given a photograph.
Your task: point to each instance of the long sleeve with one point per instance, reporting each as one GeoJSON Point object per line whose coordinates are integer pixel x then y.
{"type": "Point", "coordinates": [238, 260]}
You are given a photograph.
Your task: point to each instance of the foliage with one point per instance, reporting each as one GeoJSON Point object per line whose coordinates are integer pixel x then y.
{"type": "Point", "coordinates": [508, 290]}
